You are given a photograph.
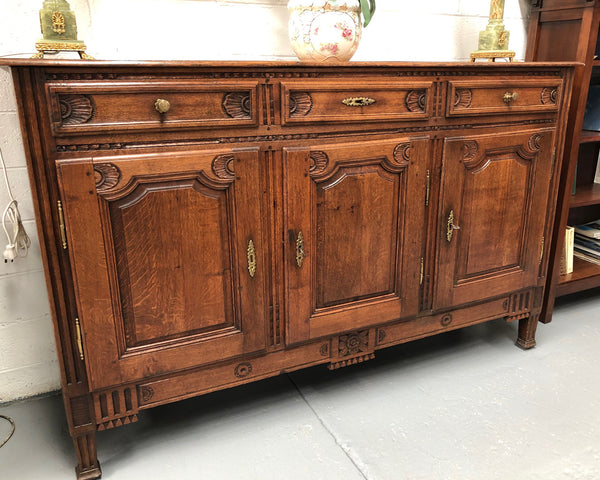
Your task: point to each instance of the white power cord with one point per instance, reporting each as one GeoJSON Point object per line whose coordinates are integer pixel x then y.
{"type": "Point", "coordinates": [18, 241]}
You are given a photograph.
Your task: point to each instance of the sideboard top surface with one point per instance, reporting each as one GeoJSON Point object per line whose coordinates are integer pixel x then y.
{"type": "Point", "coordinates": [69, 63]}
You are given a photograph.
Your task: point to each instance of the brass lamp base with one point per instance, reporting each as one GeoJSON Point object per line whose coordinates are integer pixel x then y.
{"type": "Point", "coordinates": [492, 55]}
{"type": "Point", "coordinates": [45, 46]}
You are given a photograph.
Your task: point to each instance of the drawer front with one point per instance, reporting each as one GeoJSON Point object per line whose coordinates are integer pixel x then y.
{"type": "Point", "coordinates": [343, 101]}
{"type": "Point", "coordinates": [93, 107]}
{"type": "Point", "coordinates": [507, 95]}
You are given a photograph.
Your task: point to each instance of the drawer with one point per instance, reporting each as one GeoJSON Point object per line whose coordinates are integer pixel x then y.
{"type": "Point", "coordinates": [344, 101]}
{"type": "Point", "coordinates": [505, 96]}
{"type": "Point", "coordinates": [93, 107]}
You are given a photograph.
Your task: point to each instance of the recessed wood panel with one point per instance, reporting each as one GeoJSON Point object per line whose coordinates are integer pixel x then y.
{"type": "Point", "coordinates": [174, 264]}
{"type": "Point", "coordinates": [495, 226]}
{"type": "Point", "coordinates": [356, 235]}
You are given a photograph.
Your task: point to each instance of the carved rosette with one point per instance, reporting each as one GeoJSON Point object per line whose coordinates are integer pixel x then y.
{"type": "Point", "coordinates": [402, 153]}
{"type": "Point", "coordinates": [446, 320]}
{"type": "Point", "coordinates": [416, 100]}
{"type": "Point", "coordinates": [243, 370]}
{"type": "Point", "coordinates": [471, 147]}
{"type": "Point", "coordinates": [353, 343]}
{"type": "Point", "coordinates": [300, 104]}
{"type": "Point", "coordinates": [223, 166]}
{"type": "Point", "coordinates": [107, 176]}
{"type": "Point", "coordinates": [237, 104]}
{"type": "Point", "coordinates": [463, 98]}
{"type": "Point", "coordinates": [75, 109]}
{"type": "Point", "coordinates": [549, 95]}
{"type": "Point", "coordinates": [318, 162]}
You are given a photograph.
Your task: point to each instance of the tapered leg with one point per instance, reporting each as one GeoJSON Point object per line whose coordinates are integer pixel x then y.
{"type": "Point", "coordinates": [88, 467]}
{"type": "Point", "coordinates": [527, 328]}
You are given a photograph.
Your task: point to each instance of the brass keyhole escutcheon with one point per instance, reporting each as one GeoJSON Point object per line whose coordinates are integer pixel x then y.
{"type": "Point", "coordinates": [450, 226]}
{"type": "Point", "coordinates": [251, 251]}
{"type": "Point", "coordinates": [358, 101]}
{"type": "Point", "coordinates": [162, 106]}
{"type": "Point", "coordinates": [300, 255]}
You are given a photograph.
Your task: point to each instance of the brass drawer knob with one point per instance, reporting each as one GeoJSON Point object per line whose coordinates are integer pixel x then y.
{"type": "Point", "coordinates": [510, 97]}
{"type": "Point", "coordinates": [162, 106]}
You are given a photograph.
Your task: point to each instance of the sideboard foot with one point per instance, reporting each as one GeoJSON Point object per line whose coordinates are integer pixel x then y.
{"type": "Point", "coordinates": [88, 467]}
{"type": "Point", "coordinates": [527, 328]}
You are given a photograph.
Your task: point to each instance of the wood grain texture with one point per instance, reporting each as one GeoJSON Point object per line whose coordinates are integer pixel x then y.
{"type": "Point", "coordinates": [345, 207]}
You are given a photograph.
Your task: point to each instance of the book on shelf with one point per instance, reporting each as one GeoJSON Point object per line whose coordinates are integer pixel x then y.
{"type": "Point", "coordinates": [587, 243]}
{"type": "Point", "coordinates": [586, 257]}
{"type": "Point", "coordinates": [566, 259]}
{"type": "Point", "coordinates": [597, 174]}
{"type": "Point", "coordinates": [591, 230]}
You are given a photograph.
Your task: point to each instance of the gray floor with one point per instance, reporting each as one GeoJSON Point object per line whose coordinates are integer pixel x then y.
{"type": "Point", "coordinates": [464, 405]}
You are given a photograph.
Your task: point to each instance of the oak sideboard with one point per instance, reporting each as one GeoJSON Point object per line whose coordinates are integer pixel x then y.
{"type": "Point", "coordinates": [208, 224]}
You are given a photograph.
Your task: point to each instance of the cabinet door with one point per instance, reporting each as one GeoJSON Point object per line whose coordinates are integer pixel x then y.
{"type": "Point", "coordinates": [492, 214]}
{"type": "Point", "coordinates": [168, 260]}
{"type": "Point", "coordinates": [354, 223]}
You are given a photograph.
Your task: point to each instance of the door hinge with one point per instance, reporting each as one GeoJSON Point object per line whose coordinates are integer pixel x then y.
{"type": "Point", "coordinates": [79, 340]}
{"type": "Point", "coordinates": [422, 274]}
{"type": "Point", "coordinates": [61, 220]}
{"type": "Point", "coordinates": [427, 188]}
{"type": "Point", "coordinates": [542, 250]}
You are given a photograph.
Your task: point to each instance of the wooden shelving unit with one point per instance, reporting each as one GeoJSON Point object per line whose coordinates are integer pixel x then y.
{"type": "Point", "coordinates": [568, 31]}
{"type": "Point", "coordinates": [585, 275]}
{"type": "Point", "coordinates": [586, 195]}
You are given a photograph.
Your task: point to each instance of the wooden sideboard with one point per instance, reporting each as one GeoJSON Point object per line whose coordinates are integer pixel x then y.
{"type": "Point", "coordinates": [205, 225]}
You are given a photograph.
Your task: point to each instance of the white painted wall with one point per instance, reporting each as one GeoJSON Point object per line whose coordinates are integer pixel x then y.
{"type": "Point", "coordinates": [432, 30]}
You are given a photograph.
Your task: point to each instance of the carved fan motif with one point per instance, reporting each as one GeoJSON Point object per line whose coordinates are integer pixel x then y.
{"type": "Point", "coordinates": [534, 142]}
{"type": "Point", "coordinates": [470, 150]}
{"type": "Point", "coordinates": [319, 162]}
{"type": "Point", "coordinates": [549, 95]}
{"type": "Point", "coordinates": [75, 109]}
{"type": "Point", "coordinates": [402, 153]}
{"type": "Point", "coordinates": [300, 104]}
{"type": "Point", "coordinates": [147, 393]}
{"type": "Point", "coordinates": [416, 100]}
{"type": "Point", "coordinates": [222, 166]}
{"type": "Point", "coordinates": [463, 97]}
{"type": "Point", "coordinates": [237, 105]}
{"type": "Point", "coordinates": [107, 176]}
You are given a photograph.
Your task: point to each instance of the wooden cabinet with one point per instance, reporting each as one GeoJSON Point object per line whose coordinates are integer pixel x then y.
{"type": "Point", "coordinates": [567, 30]}
{"type": "Point", "coordinates": [206, 225]}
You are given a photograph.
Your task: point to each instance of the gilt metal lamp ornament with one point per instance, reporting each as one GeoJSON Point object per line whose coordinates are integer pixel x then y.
{"type": "Point", "coordinates": [59, 30]}
{"type": "Point", "coordinates": [493, 41]}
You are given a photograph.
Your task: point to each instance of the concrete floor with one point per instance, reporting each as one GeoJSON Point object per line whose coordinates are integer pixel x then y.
{"type": "Point", "coordinates": [464, 405]}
